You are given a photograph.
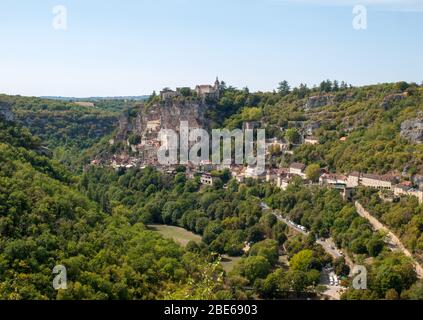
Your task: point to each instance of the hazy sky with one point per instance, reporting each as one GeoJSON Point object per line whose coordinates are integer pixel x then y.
{"type": "Point", "coordinates": [129, 47]}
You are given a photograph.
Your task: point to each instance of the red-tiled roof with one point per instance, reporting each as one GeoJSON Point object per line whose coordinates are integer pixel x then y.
{"type": "Point", "coordinates": [387, 178]}
{"type": "Point", "coordinates": [297, 165]}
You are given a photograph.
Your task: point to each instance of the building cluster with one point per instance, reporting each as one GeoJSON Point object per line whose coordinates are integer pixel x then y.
{"type": "Point", "coordinates": [125, 161]}
{"type": "Point", "coordinates": [388, 183]}
{"type": "Point", "coordinates": [281, 177]}
{"type": "Point", "coordinates": [203, 92]}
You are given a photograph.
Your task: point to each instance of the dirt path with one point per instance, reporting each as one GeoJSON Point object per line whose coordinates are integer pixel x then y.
{"type": "Point", "coordinates": [394, 242]}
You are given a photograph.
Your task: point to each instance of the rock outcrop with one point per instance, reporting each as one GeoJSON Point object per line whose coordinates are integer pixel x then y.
{"type": "Point", "coordinates": [169, 115]}
{"type": "Point", "coordinates": [6, 111]}
{"type": "Point", "coordinates": [412, 130]}
{"type": "Point", "coordinates": [163, 115]}
{"type": "Point", "coordinates": [388, 100]}
{"type": "Point", "coordinates": [320, 101]}
{"type": "Point", "coordinates": [151, 119]}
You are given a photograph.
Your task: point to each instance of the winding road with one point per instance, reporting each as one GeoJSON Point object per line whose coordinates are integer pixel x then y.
{"type": "Point", "coordinates": [327, 244]}
{"type": "Point", "coordinates": [333, 292]}
{"type": "Point", "coordinates": [393, 241]}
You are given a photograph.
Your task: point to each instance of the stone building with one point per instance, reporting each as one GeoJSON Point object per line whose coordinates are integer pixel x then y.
{"type": "Point", "coordinates": [418, 193]}
{"type": "Point", "coordinates": [298, 169]}
{"type": "Point", "coordinates": [377, 181]}
{"type": "Point", "coordinates": [334, 180]}
{"type": "Point", "coordinates": [353, 180]}
{"type": "Point", "coordinates": [208, 91]}
{"type": "Point", "coordinates": [207, 179]}
{"type": "Point", "coordinates": [405, 190]}
{"type": "Point", "coordinates": [168, 94]}
{"type": "Point", "coordinates": [311, 140]}
{"type": "Point", "coordinates": [251, 125]}
{"type": "Point", "coordinates": [255, 173]}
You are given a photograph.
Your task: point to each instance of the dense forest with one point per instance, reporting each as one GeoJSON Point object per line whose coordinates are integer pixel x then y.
{"type": "Point", "coordinates": [228, 218]}
{"type": "Point", "coordinates": [45, 221]}
{"type": "Point", "coordinates": [65, 127]}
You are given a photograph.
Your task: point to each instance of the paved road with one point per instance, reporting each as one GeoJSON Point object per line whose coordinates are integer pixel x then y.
{"type": "Point", "coordinates": [394, 242]}
{"type": "Point", "coordinates": [327, 244]}
{"type": "Point", "coordinates": [330, 247]}
{"type": "Point", "coordinates": [334, 292]}
{"type": "Point", "coordinates": [290, 225]}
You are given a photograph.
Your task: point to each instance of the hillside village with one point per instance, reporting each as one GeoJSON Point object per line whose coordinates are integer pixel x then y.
{"type": "Point", "coordinates": [171, 107]}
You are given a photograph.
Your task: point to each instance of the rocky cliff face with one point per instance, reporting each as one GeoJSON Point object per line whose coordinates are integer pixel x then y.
{"type": "Point", "coordinates": [389, 100]}
{"type": "Point", "coordinates": [170, 114]}
{"type": "Point", "coordinates": [319, 101]}
{"type": "Point", "coordinates": [412, 130]}
{"type": "Point", "coordinates": [141, 131]}
{"type": "Point", "coordinates": [164, 115]}
{"type": "Point", "coordinates": [6, 111]}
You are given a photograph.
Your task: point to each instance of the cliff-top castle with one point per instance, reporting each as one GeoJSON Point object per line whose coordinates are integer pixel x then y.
{"type": "Point", "coordinates": [203, 91]}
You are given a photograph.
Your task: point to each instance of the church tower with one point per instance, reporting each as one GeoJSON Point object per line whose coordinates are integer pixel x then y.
{"type": "Point", "coordinates": [217, 84]}
{"type": "Point", "coordinates": [217, 88]}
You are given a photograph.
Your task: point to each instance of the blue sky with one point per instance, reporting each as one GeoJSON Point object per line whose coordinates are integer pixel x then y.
{"type": "Point", "coordinates": [130, 47]}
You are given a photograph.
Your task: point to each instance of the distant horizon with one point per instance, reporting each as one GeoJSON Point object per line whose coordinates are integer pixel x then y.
{"type": "Point", "coordinates": [90, 97]}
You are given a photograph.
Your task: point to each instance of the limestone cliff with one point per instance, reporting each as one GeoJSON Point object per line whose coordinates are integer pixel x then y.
{"type": "Point", "coordinates": [389, 100]}
{"type": "Point", "coordinates": [319, 101]}
{"type": "Point", "coordinates": [6, 111]}
{"type": "Point", "coordinates": [412, 130]}
{"type": "Point", "coordinates": [149, 120]}
{"type": "Point", "coordinates": [140, 128]}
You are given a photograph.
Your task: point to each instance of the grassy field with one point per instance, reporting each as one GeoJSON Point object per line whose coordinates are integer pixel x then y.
{"type": "Point", "coordinates": [179, 235]}
{"type": "Point", "coordinates": [183, 236]}
{"type": "Point", "coordinates": [228, 263]}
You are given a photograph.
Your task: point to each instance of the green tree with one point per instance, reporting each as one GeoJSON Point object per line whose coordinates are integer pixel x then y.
{"type": "Point", "coordinates": [212, 231]}
{"type": "Point", "coordinates": [185, 92]}
{"type": "Point", "coordinates": [415, 292]}
{"type": "Point", "coordinates": [268, 249]}
{"type": "Point", "coordinates": [283, 88]}
{"type": "Point", "coordinates": [297, 281]}
{"type": "Point", "coordinates": [292, 135]}
{"type": "Point", "coordinates": [302, 261]}
{"type": "Point", "coordinates": [375, 247]}
{"type": "Point", "coordinates": [313, 172]}
{"type": "Point", "coordinates": [255, 267]}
